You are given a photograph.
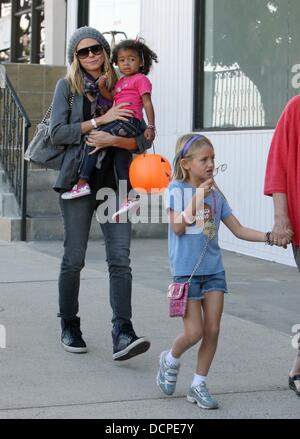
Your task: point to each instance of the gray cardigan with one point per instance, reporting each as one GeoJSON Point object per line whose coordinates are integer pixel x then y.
{"type": "Point", "coordinates": [65, 129]}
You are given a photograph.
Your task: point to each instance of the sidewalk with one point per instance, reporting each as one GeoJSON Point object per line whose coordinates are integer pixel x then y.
{"type": "Point", "coordinates": [40, 380]}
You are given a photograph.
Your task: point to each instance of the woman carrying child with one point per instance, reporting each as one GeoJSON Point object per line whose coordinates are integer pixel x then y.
{"type": "Point", "coordinates": [134, 60]}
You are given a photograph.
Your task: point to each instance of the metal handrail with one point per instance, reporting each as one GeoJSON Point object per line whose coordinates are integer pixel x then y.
{"type": "Point", "coordinates": [18, 102]}
{"type": "Point", "coordinates": [14, 135]}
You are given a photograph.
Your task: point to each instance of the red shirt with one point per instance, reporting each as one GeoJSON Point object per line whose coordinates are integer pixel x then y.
{"type": "Point", "coordinates": [283, 166]}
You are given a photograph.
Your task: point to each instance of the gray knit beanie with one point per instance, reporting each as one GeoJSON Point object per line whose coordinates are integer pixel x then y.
{"type": "Point", "coordinates": [81, 34]}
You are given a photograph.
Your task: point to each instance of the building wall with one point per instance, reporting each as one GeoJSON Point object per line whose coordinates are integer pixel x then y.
{"type": "Point", "coordinates": [34, 84]}
{"type": "Point", "coordinates": [245, 152]}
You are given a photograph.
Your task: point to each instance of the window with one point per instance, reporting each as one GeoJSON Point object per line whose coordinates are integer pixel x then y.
{"type": "Point", "coordinates": [27, 31]}
{"type": "Point", "coordinates": [246, 58]}
{"type": "Point", "coordinates": [5, 24]}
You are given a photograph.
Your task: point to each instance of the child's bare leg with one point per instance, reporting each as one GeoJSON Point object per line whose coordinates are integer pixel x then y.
{"type": "Point", "coordinates": [212, 312]}
{"type": "Point", "coordinates": [169, 361]}
{"type": "Point", "coordinates": [193, 329]}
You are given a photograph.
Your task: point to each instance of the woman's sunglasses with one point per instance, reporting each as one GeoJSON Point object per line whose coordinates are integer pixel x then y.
{"type": "Point", "coordinates": [85, 52]}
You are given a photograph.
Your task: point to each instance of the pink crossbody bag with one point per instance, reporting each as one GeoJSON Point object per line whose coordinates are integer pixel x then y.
{"type": "Point", "coordinates": [178, 292]}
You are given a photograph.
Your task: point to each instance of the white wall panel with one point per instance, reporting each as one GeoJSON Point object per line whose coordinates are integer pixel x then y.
{"type": "Point", "coordinates": [167, 27]}
{"type": "Point", "coordinates": [243, 182]}
{"type": "Point", "coordinates": [55, 32]}
{"type": "Point", "coordinates": [72, 9]}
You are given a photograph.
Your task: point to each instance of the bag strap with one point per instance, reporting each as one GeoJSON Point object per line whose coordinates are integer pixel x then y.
{"type": "Point", "coordinates": [48, 112]}
{"type": "Point", "coordinates": [204, 249]}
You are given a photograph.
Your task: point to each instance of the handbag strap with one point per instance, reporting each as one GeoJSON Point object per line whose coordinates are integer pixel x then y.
{"type": "Point", "coordinates": [204, 249]}
{"type": "Point", "coordinates": [48, 112]}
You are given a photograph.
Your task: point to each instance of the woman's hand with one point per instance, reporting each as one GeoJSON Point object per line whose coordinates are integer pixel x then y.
{"type": "Point", "coordinates": [282, 232]}
{"type": "Point", "coordinates": [99, 140]}
{"type": "Point", "coordinates": [116, 112]}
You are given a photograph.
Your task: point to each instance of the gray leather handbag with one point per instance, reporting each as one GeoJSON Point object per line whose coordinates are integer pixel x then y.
{"type": "Point", "coordinates": [41, 150]}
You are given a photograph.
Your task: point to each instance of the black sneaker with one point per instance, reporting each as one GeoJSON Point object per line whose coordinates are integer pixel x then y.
{"type": "Point", "coordinates": [126, 344]}
{"type": "Point", "coordinates": [71, 339]}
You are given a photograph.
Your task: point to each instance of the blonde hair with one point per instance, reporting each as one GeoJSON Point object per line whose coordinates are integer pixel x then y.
{"type": "Point", "coordinates": [75, 75]}
{"type": "Point", "coordinates": [180, 173]}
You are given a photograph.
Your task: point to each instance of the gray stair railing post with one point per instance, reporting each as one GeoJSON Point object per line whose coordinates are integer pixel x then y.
{"type": "Point", "coordinates": [14, 135]}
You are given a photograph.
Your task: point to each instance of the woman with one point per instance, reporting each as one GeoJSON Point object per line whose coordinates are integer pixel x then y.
{"type": "Point", "coordinates": [88, 55]}
{"type": "Point", "coordinates": [282, 180]}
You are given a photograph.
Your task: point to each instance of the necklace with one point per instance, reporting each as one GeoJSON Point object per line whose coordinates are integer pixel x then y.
{"type": "Point", "coordinates": [210, 228]}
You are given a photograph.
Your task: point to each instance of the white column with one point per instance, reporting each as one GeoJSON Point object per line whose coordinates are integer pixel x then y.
{"type": "Point", "coordinates": [55, 31]}
{"type": "Point", "coordinates": [72, 14]}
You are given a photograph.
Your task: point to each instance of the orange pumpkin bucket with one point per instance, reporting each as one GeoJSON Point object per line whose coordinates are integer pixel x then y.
{"type": "Point", "coordinates": [150, 172]}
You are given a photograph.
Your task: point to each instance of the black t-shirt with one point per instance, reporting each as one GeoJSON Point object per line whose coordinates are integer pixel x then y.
{"type": "Point", "coordinates": [104, 177]}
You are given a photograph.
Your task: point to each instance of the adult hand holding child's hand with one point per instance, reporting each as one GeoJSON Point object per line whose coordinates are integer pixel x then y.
{"type": "Point", "coordinates": [282, 232]}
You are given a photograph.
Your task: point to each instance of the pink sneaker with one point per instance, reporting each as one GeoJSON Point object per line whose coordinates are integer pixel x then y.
{"type": "Point", "coordinates": [128, 205]}
{"type": "Point", "coordinates": [77, 192]}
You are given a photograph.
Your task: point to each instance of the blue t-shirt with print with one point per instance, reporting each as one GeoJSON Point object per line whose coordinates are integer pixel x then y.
{"type": "Point", "coordinates": [185, 250]}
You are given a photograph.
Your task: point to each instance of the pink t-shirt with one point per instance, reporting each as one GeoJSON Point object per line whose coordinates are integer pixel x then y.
{"type": "Point", "coordinates": [131, 89]}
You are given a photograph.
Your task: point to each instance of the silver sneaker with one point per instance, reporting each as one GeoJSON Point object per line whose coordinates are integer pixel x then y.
{"type": "Point", "coordinates": [201, 396]}
{"type": "Point", "coordinates": [167, 375]}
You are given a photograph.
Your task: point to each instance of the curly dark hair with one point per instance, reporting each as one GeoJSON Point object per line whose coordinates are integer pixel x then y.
{"type": "Point", "coordinates": [146, 55]}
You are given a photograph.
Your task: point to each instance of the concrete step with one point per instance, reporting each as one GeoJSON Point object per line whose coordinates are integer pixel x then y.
{"type": "Point", "coordinates": [4, 184]}
{"type": "Point", "coordinates": [8, 205]}
{"type": "Point", "coordinates": [10, 229]}
{"type": "Point", "coordinates": [42, 200]}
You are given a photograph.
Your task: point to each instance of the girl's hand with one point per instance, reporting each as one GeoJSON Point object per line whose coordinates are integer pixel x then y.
{"type": "Point", "coordinates": [116, 112]}
{"type": "Point", "coordinates": [102, 81]}
{"type": "Point", "coordinates": [207, 186]}
{"type": "Point", "coordinates": [99, 140]}
{"type": "Point", "coordinates": [149, 134]}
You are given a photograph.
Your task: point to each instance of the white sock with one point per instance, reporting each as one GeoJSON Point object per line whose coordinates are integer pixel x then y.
{"type": "Point", "coordinates": [198, 379]}
{"type": "Point", "coordinates": [172, 361]}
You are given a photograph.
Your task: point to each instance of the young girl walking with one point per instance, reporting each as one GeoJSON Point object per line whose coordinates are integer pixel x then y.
{"type": "Point", "coordinates": [133, 91]}
{"type": "Point", "coordinates": [195, 207]}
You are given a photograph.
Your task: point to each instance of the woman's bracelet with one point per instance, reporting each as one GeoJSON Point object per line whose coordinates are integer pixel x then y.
{"type": "Point", "coordinates": [268, 239]}
{"type": "Point", "coordinates": [152, 127]}
{"type": "Point", "coordinates": [187, 219]}
{"type": "Point", "coordinates": [94, 123]}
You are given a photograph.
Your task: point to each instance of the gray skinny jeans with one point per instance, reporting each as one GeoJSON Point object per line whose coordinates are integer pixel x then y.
{"type": "Point", "coordinates": [77, 216]}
